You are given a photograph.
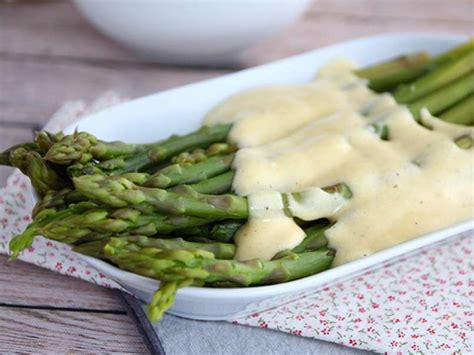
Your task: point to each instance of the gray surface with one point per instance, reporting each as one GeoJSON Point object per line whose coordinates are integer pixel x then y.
{"type": "Point", "coordinates": [184, 336]}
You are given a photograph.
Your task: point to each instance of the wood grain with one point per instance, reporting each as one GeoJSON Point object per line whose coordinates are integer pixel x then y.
{"type": "Point", "coordinates": [25, 284]}
{"type": "Point", "coordinates": [34, 89]}
{"type": "Point", "coordinates": [46, 331]}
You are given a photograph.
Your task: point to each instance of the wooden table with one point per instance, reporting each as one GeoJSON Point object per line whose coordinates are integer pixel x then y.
{"type": "Point", "coordinates": [49, 54]}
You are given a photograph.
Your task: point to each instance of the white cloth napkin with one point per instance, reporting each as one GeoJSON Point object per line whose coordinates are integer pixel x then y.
{"type": "Point", "coordinates": [420, 304]}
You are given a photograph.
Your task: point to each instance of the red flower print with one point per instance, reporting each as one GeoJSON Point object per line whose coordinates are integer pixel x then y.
{"type": "Point", "coordinates": [263, 324]}
{"type": "Point", "coordinates": [296, 332]}
{"type": "Point", "coordinates": [415, 347]}
{"type": "Point", "coordinates": [58, 266]}
{"type": "Point", "coordinates": [375, 305]}
{"type": "Point", "coordinates": [362, 310]}
{"type": "Point", "coordinates": [352, 342]}
{"type": "Point", "coordinates": [255, 315]}
{"type": "Point", "coordinates": [101, 275]}
{"type": "Point", "coordinates": [360, 296]}
{"type": "Point", "coordinates": [299, 317]}
{"type": "Point", "coordinates": [458, 283]}
{"type": "Point", "coordinates": [394, 344]}
{"type": "Point", "coordinates": [31, 249]}
{"type": "Point", "coordinates": [26, 218]}
{"type": "Point", "coordinates": [431, 330]}
{"type": "Point", "coordinates": [326, 331]}
{"type": "Point", "coordinates": [391, 298]}
{"type": "Point", "coordinates": [340, 318]}
{"type": "Point", "coordinates": [71, 269]}
{"type": "Point", "coordinates": [49, 244]}
{"type": "Point", "coordinates": [395, 320]}
{"type": "Point", "coordinates": [401, 335]}
{"type": "Point", "coordinates": [415, 336]}
{"type": "Point", "coordinates": [322, 313]}
{"type": "Point", "coordinates": [462, 335]}
{"type": "Point", "coordinates": [323, 322]}
{"type": "Point", "coordinates": [454, 325]}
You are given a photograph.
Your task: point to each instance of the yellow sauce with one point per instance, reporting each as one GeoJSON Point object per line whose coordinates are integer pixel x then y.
{"type": "Point", "coordinates": [299, 137]}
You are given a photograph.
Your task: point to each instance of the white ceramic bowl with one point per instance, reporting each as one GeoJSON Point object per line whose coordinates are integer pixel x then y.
{"type": "Point", "coordinates": [194, 32]}
{"type": "Point", "coordinates": [181, 110]}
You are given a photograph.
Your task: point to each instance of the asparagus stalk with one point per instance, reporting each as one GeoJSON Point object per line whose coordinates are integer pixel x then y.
{"type": "Point", "coordinates": [436, 79]}
{"type": "Point", "coordinates": [447, 96]}
{"type": "Point", "coordinates": [43, 177]}
{"type": "Point", "coordinates": [58, 200]}
{"type": "Point", "coordinates": [199, 154]}
{"type": "Point", "coordinates": [163, 298]}
{"type": "Point", "coordinates": [217, 185]}
{"type": "Point", "coordinates": [461, 113]}
{"type": "Point", "coordinates": [120, 192]}
{"type": "Point", "coordinates": [390, 73]}
{"type": "Point", "coordinates": [175, 174]}
{"type": "Point", "coordinates": [220, 250]}
{"type": "Point", "coordinates": [387, 80]}
{"type": "Point", "coordinates": [87, 222]}
{"type": "Point", "coordinates": [174, 265]}
{"type": "Point", "coordinates": [222, 231]}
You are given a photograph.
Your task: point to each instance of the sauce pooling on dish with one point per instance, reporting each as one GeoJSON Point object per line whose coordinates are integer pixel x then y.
{"type": "Point", "coordinates": [298, 137]}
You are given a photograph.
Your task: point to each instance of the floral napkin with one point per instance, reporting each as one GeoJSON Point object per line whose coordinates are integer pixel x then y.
{"type": "Point", "coordinates": [422, 304]}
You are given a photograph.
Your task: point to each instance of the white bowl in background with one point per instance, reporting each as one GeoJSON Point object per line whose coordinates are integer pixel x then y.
{"type": "Point", "coordinates": [197, 32]}
{"type": "Point", "coordinates": [181, 110]}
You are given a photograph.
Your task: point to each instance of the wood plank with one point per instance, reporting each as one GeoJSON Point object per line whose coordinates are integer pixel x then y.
{"type": "Point", "coordinates": [8, 137]}
{"type": "Point", "coordinates": [319, 28]}
{"type": "Point", "coordinates": [48, 27]}
{"type": "Point", "coordinates": [420, 10]}
{"type": "Point", "coordinates": [33, 90]}
{"type": "Point", "coordinates": [54, 28]}
{"type": "Point", "coordinates": [34, 286]}
{"type": "Point", "coordinates": [30, 330]}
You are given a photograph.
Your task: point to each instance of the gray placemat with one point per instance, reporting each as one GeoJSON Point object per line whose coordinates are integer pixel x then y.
{"type": "Point", "coordinates": [177, 336]}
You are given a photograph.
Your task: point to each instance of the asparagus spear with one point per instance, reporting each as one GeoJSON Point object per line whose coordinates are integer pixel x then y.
{"type": "Point", "coordinates": [86, 222]}
{"type": "Point", "coordinates": [200, 154]}
{"type": "Point", "coordinates": [120, 192]}
{"type": "Point", "coordinates": [43, 177]}
{"type": "Point", "coordinates": [175, 174]}
{"type": "Point", "coordinates": [461, 113]}
{"type": "Point", "coordinates": [216, 185]}
{"type": "Point", "coordinates": [200, 266]}
{"type": "Point", "coordinates": [58, 200]}
{"type": "Point", "coordinates": [387, 80]}
{"type": "Point", "coordinates": [220, 250]}
{"type": "Point", "coordinates": [447, 96]}
{"type": "Point", "coordinates": [172, 265]}
{"type": "Point", "coordinates": [387, 74]}
{"type": "Point", "coordinates": [436, 79]}
{"type": "Point", "coordinates": [222, 231]}
{"type": "Point", "coordinates": [163, 298]}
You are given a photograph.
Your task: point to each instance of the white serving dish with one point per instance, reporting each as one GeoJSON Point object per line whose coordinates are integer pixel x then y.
{"type": "Point", "coordinates": [181, 110]}
{"type": "Point", "coordinates": [197, 32]}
